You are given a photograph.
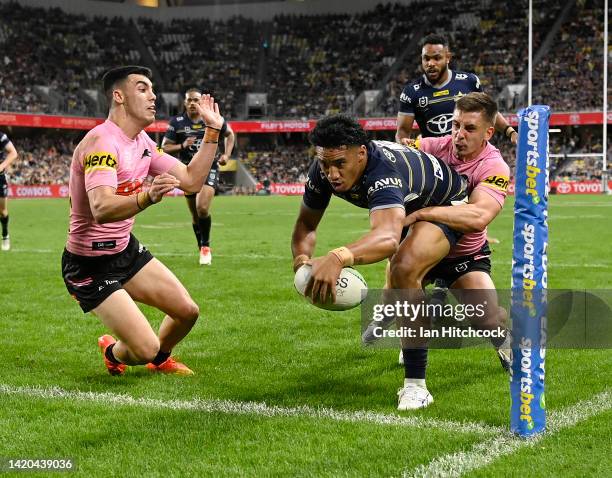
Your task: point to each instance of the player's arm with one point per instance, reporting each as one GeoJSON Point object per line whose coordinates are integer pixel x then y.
{"type": "Point", "coordinates": [229, 139]}
{"type": "Point", "coordinates": [11, 156]}
{"type": "Point", "coordinates": [502, 126]}
{"type": "Point", "coordinates": [171, 147]}
{"type": "Point", "coordinates": [379, 243]}
{"type": "Point", "coordinates": [304, 235]}
{"type": "Point", "coordinates": [404, 128]}
{"type": "Point", "coordinates": [474, 216]}
{"type": "Point", "coordinates": [106, 206]}
{"type": "Point", "coordinates": [191, 177]}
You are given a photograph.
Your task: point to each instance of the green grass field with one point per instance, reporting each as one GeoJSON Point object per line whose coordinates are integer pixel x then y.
{"type": "Point", "coordinates": [258, 341]}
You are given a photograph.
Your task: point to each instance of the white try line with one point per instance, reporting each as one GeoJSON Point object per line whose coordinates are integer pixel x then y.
{"type": "Point", "coordinates": [484, 453]}
{"type": "Point", "coordinates": [232, 407]}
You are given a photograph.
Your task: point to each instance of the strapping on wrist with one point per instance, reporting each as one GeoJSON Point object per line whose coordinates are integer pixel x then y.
{"type": "Point", "coordinates": [344, 255]}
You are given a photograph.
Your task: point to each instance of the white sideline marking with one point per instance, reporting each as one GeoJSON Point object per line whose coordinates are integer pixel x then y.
{"type": "Point", "coordinates": [250, 408]}
{"type": "Point", "coordinates": [484, 453]}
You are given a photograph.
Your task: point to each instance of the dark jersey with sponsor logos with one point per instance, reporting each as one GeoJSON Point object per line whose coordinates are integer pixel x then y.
{"type": "Point", "coordinates": [4, 142]}
{"type": "Point", "coordinates": [394, 176]}
{"type": "Point", "coordinates": [181, 127]}
{"type": "Point", "coordinates": [432, 107]}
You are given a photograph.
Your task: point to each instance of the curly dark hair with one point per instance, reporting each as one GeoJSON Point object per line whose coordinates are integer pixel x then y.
{"type": "Point", "coordinates": [338, 130]}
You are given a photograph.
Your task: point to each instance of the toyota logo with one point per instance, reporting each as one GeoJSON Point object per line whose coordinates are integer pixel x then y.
{"type": "Point", "coordinates": [440, 124]}
{"type": "Point", "coordinates": [564, 188]}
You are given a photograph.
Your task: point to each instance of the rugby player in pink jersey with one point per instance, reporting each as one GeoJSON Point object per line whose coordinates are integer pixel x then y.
{"type": "Point", "coordinates": [104, 267]}
{"type": "Point", "coordinates": [467, 265]}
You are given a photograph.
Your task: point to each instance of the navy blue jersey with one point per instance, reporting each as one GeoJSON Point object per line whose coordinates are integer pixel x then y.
{"type": "Point", "coordinates": [394, 176]}
{"type": "Point", "coordinates": [4, 141]}
{"type": "Point", "coordinates": [432, 107]}
{"type": "Point", "coordinates": [181, 127]}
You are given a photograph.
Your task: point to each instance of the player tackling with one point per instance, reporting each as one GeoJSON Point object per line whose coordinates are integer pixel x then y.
{"type": "Point", "coordinates": [104, 266]}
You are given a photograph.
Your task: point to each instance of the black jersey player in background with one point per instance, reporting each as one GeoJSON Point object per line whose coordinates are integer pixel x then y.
{"type": "Point", "coordinates": [182, 139]}
{"type": "Point", "coordinates": [391, 181]}
{"type": "Point", "coordinates": [430, 99]}
{"type": "Point", "coordinates": [8, 154]}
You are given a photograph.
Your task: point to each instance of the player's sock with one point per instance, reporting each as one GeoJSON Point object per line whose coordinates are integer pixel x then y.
{"type": "Point", "coordinates": [4, 221]}
{"type": "Point", "coordinates": [160, 358]}
{"type": "Point", "coordinates": [108, 353]}
{"type": "Point", "coordinates": [205, 223]}
{"type": "Point", "coordinates": [196, 231]}
{"type": "Point", "coordinates": [415, 363]}
{"type": "Point", "coordinates": [419, 382]}
{"type": "Point", "coordinates": [499, 341]}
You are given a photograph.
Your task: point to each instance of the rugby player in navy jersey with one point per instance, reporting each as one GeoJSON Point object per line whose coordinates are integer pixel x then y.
{"type": "Point", "coordinates": [5, 161]}
{"type": "Point", "coordinates": [391, 181]}
{"type": "Point", "coordinates": [430, 99]}
{"type": "Point", "coordinates": [182, 139]}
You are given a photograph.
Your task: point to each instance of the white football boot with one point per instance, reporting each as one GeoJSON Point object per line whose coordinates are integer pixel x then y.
{"type": "Point", "coordinates": [6, 244]}
{"type": "Point", "coordinates": [413, 397]}
{"type": "Point", "coordinates": [205, 256]}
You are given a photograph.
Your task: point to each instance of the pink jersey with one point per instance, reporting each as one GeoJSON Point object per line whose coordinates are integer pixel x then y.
{"type": "Point", "coordinates": [488, 173]}
{"type": "Point", "coordinates": [107, 157]}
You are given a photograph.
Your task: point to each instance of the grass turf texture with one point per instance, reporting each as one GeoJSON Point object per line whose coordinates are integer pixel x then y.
{"type": "Point", "coordinates": [257, 340]}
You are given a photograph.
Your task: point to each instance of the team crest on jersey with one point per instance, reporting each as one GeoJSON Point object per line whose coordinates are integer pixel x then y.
{"type": "Point", "coordinates": [423, 100]}
{"type": "Point", "coordinates": [100, 160]}
{"type": "Point", "coordinates": [496, 181]}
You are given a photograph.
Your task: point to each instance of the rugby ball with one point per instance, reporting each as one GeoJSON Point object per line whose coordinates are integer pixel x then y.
{"type": "Point", "coordinates": [349, 286]}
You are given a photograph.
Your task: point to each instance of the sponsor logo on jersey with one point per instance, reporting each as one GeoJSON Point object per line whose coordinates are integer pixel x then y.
{"type": "Point", "coordinates": [436, 166]}
{"type": "Point", "coordinates": [441, 93]}
{"type": "Point", "coordinates": [461, 76]}
{"type": "Point", "coordinates": [497, 182]}
{"type": "Point", "coordinates": [100, 160]}
{"type": "Point", "coordinates": [440, 124]}
{"type": "Point", "coordinates": [423, 100]}
{"type": "Point", "coordinates": [416, 87]}
{"type": "Point", "coordinates": [384, 183]}
{"type": "Point", "coordinates": [404, 97]}
{"type": "Point", "coordinates": [310, 185]}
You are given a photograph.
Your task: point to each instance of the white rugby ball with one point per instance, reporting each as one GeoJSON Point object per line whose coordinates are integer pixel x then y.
{"type": "Point", "coordinates": [348, 288]}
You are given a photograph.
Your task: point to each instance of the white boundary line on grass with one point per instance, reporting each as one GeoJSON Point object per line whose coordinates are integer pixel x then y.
{"type": "Point", "coordinates": [250, 408]}
{"type": "Point", "coordinates": [486, 452]}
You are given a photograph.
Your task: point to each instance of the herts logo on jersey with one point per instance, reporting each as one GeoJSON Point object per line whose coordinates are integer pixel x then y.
{"type": "Point", "coordinates": [440, 124]}
{"type": "Point", "coordinates": [497, 182]}
{"type": "Point", "coordinates": [100, 161]}
{"type": "Point", "coordinates": [384, 183]}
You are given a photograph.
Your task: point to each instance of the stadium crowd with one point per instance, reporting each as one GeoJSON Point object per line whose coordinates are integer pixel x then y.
{"type": "Point", "coordinates": [308, 65]}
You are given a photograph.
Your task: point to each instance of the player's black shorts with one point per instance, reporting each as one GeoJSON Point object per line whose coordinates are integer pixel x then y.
{"type": "Point", "coordinates": [452, 235]}
{"type": "Point", "coordinates": [448, 271]}
{"type": "Point", "coordinates": [212, 179]}
{"type": "Point", "coordinates": [91, 279]}
{"type": "Point", "coordinates": [3, 186]}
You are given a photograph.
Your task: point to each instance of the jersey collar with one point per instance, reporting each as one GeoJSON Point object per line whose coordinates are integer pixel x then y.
{"type": "Point", "coordinates": [448, 80]}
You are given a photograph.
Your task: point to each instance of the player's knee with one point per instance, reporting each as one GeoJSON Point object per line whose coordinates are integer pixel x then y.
{"type": "Point", "coordinates": [202, 212]}
{"type": "Point", "coordinates": [145, 352]}
{"type": "Point", "coordinates": [188, 311]}
{"type": "Point", "coordinates": [405, 275]}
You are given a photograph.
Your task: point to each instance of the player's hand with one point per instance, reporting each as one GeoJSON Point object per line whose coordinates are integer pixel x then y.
{"type": "Point", "coordinates": [408, 142]}
{"type": "Point", "coordinates": [209, 111]}
{"type": "Point", "coordinates": [322, 285]}
{"type": "Point", "coordinates": [411, 219]}
{"type": "Point", "coordinates": [223, 159]}
{"type": "Point", "coordinates": [188, 142]}
{"type": "Point", "coordinates": [514, 137]}
{"type": "Point", "coordinates": [162, 184]}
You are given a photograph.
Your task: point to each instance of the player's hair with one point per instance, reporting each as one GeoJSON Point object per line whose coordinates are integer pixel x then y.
{"type": "Point", "coordinates": [338, 130]}
{"type": "Point", "coordinates": [434, 39]}
{"type": "Point", "coordinates": [193, 88]}
{"type": "Point", "coordinates": [115, 75]}
{"type": "Point", "coordinates": [477, 102]}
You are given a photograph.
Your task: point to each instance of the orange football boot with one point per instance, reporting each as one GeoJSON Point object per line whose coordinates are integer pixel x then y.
{"type": "Point", "coordinates": [171, 365]}
{"type": "Point", "coordinates": [113, 368]}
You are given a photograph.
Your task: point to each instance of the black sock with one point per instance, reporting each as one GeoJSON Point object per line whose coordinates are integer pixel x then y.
{"type": "Point", "coordinates": [160, 358]}
{"type": "Point", "coordinates": [4, 222]}
{"type": "Point", "coordinates": [196, 231]}
{"type": "Point", "coordinates": [415, 363]}
{"type": "Point", "coordinates": [205, 223]}
{"type": "Point", "coordinates": [108, 353]}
